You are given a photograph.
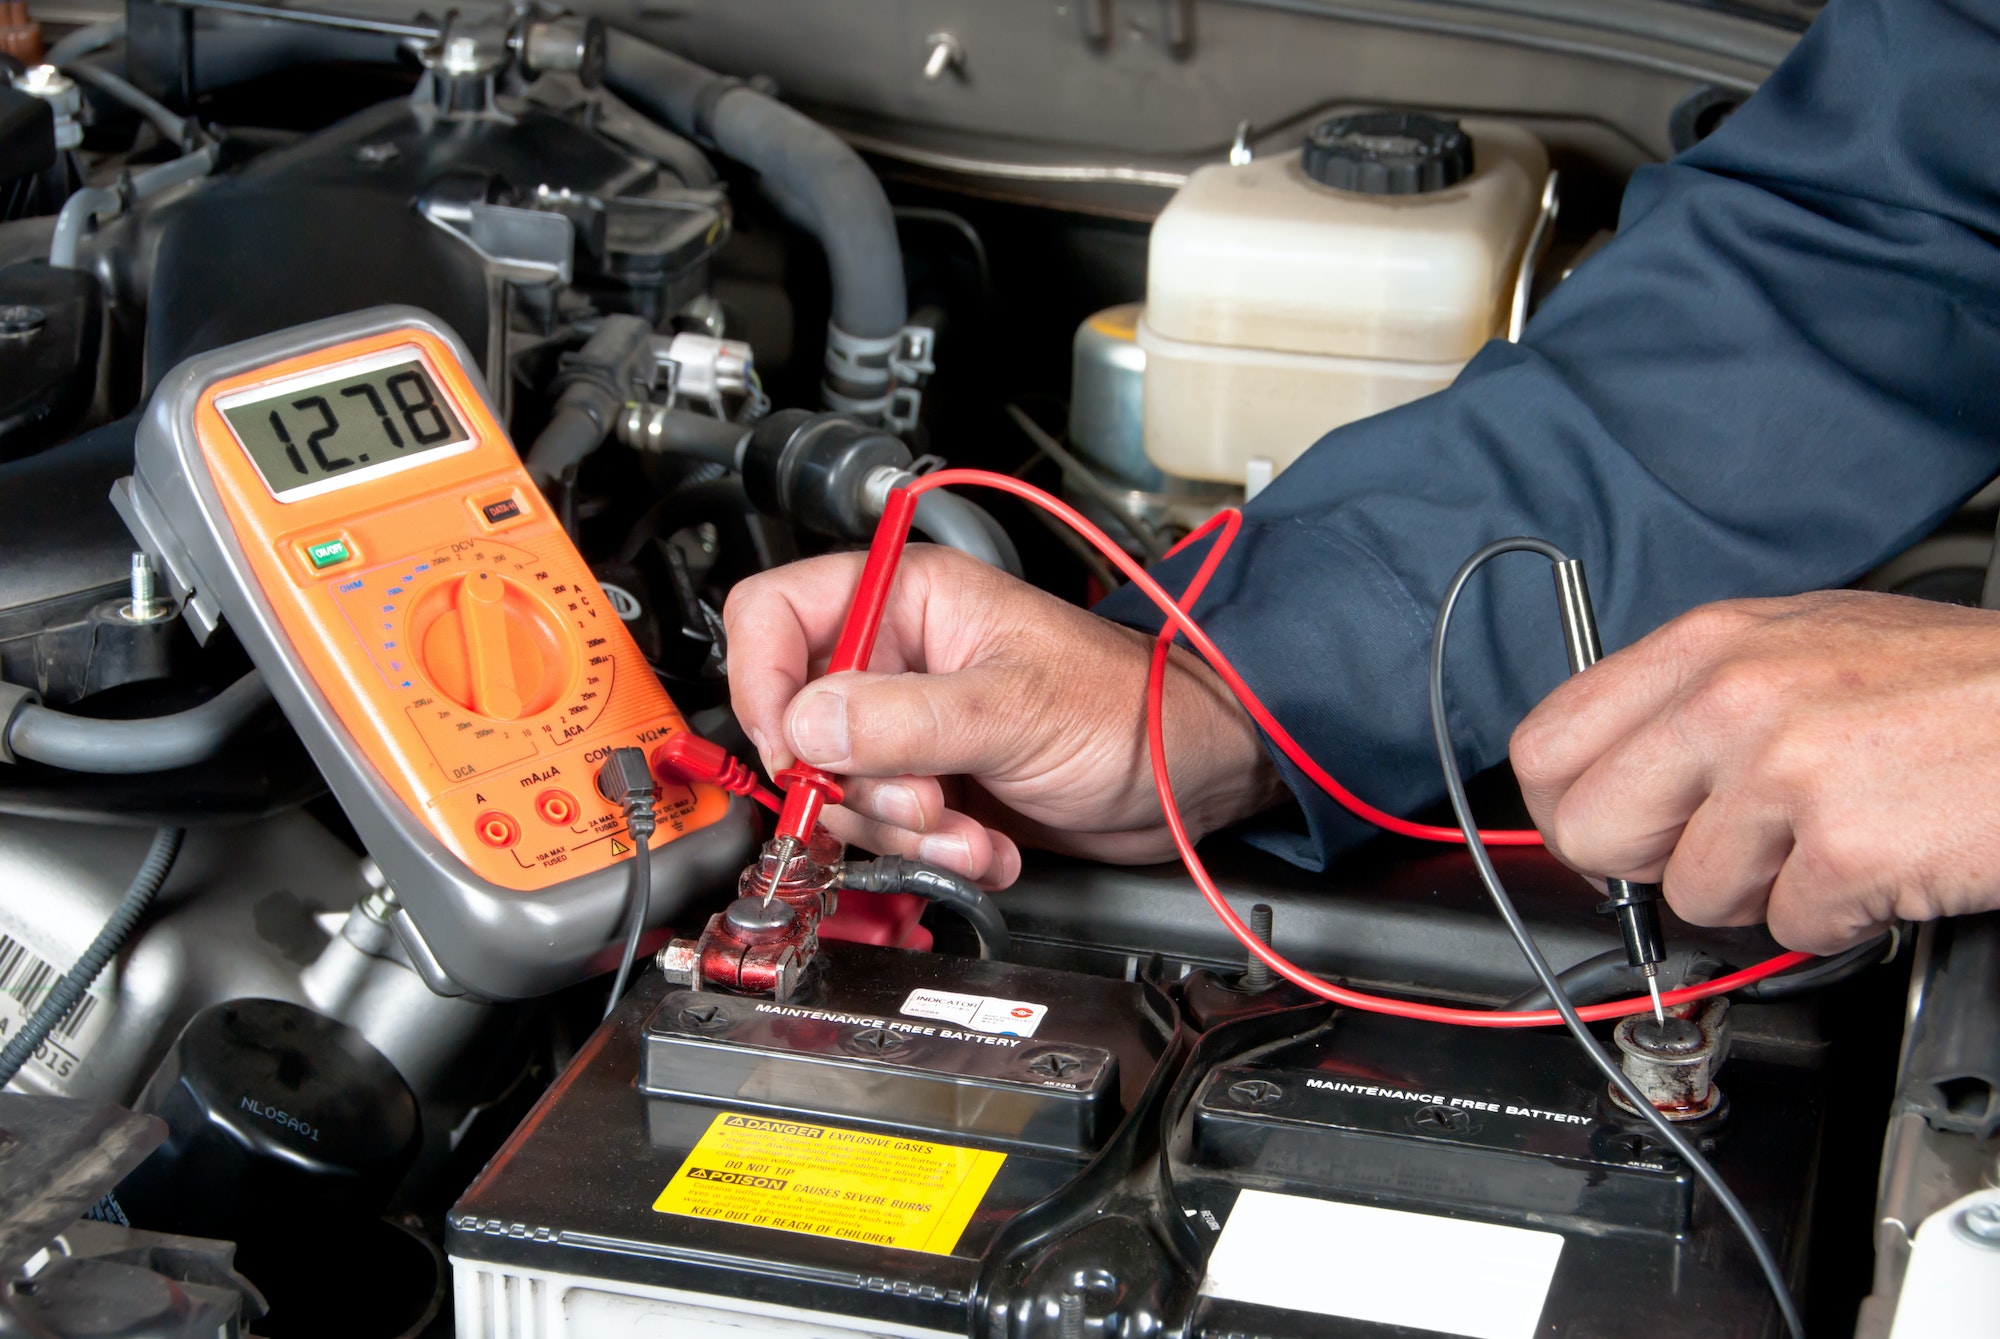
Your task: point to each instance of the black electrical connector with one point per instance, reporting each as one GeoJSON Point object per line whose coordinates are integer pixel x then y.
{"type": "Point", "coordinates": [626, 780]}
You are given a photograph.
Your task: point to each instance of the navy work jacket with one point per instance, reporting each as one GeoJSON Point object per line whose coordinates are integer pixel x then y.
{"type": "Point", "coordinates": [1784, 369]}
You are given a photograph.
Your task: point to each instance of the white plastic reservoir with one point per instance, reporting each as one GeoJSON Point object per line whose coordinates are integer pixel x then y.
{"type": "Point", "coordinates": [1302, 291]}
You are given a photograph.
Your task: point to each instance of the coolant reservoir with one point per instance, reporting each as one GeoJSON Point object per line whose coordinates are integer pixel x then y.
{"type": "Point", "coordinates": [1293, 294]}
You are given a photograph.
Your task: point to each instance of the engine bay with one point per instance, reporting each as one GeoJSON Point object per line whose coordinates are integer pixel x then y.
{"type": "Point", "coordinates": [390, 404]}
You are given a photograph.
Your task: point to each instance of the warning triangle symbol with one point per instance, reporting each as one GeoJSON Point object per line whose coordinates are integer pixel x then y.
{"type": "Point", "coordinates": [619, 848]}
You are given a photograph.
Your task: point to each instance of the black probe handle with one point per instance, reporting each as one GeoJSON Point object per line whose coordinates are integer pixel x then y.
{"type": "Point", "coordinates": [1637, 907]}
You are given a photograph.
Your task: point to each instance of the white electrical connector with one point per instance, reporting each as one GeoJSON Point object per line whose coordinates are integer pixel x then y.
{"type": "Point", "coordinates": [703, 367]}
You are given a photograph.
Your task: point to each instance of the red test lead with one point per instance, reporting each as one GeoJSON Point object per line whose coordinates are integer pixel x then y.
{"type": "Point", "coordinates": [810, 789]}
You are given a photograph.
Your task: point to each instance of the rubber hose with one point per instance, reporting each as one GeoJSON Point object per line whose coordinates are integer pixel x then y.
{"type": "Point", "coordinates": [1010, 557]}
{"type": "Point", "coordinates": [93, 203]}
{"type": "Point", "coordinates": [823, 183]}
{"type": "Point", "coordinates": [1843, 966]}
{"type": "Point", "coordinates": [154, 744]}
{"type": "Point", "coordinates": [587, 409]}
{"type": "Point", "coordinates": [83, 42]}
{"type": "Point", "coordinates": [957, 524]}
{"type": "Point", "coordinates": [75, 982]}
{"type": "Point", "coordinates": [572, 433]}
{"type": "Point", "coordinates": [898, 874]}
{"type": "Point", "coordinates": [172, 127]}
{"type": "Point", "coordinates": [682, 432]}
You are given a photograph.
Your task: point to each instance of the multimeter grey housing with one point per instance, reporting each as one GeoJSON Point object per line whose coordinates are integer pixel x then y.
{"type": "Point", "coordinates": [463, 934]}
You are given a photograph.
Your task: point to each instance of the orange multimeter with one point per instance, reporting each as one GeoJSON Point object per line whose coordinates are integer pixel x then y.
{"type": "Point", "coordinates": [343, 498]}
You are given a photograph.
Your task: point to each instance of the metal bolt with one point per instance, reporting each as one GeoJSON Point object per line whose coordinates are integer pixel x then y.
{"type": "Point", "coordinates": [1070, 1315]}
{"type": "Point", "coordinates": [1256, 1092]}
{"type": "Point", "coordinates": [1055, 1064]}
{"type": "Point", "coordinates": [462, 56]}
{"type": "Point", "coordinates": [947, 53]}
{"type": "Point", "coordinates": [146, 606]}
{"type": "Point", "coordinates": [1981, 1222]}
{"type": "Point", "coordinates": [678, 962]}
{"type": "Point", "coordinates": [1257, 976]}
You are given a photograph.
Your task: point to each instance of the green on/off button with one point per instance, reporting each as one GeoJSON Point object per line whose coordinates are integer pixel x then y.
{"type": "Point", "coordinates": [328, 552]}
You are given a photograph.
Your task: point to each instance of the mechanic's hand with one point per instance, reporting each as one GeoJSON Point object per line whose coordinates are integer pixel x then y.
{"type": "Point", "coordinates": [1032, 710]}
{"type": "Point", "coordinates": [1828, 763]}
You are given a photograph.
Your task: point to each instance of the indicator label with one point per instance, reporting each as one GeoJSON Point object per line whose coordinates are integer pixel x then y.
{"type": "Point", "coordinates": [981, 1013]}
{"type": "Point", "coordinates": [504, 510]}
{"type": "Point", "coordinates": [831, 1182]}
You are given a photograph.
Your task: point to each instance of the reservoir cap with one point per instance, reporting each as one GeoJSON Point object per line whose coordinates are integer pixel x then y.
{"type": "Point", "coordinates": [1388, 153]}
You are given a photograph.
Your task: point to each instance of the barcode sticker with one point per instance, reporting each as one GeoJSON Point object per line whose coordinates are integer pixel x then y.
{"type": "Point", "coordinates": [25, 981]}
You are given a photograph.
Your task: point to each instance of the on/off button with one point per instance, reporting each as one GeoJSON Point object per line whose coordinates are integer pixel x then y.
{"type": "Point", "coordinates": [328, 553]}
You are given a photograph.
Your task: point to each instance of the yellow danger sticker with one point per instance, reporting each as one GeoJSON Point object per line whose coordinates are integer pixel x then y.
{"type": "Point", "coordinates": [831, 1182]}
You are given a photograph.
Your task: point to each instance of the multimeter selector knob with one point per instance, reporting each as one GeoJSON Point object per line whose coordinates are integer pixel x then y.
{"type": "Point", "coordinates": [492, 646]}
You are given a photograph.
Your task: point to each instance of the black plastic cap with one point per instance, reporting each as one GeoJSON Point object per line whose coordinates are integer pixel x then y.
{"type": "Point", "coordinates": [813, 469]}
{"type": "Point", "coordinates": [275, 1114]}
{"type": "Point", "coordinates": [1637, 909]}
{"type": "Point", "coordinates": [1388, 153]}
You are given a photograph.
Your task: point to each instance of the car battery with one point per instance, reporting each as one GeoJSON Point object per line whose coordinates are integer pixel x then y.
{"type": "Point", "coordinates": [837, 1164]}
{"type": "Point", "coordinates": [1378, 1176]}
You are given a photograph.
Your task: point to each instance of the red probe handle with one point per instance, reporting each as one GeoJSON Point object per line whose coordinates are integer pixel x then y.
{"type": "Point", "coordinates": [807, 789]}
{"type": "Point", "coordinates": [871, 596]}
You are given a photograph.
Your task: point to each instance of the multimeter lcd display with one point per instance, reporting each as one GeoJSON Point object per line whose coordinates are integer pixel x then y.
{"type": "Point", "coordinates": [312, 433]}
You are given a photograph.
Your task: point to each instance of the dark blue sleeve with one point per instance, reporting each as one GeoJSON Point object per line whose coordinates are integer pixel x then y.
{"type": "Point", "coordinates": [1785, 369]}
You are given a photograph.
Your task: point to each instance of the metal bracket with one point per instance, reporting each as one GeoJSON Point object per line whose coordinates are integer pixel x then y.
{"type": "Point", "coordinates": [518, 247]}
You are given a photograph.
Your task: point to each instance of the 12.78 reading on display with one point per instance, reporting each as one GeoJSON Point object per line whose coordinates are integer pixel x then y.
{"type": "Point", "coordinates": [317, 432]}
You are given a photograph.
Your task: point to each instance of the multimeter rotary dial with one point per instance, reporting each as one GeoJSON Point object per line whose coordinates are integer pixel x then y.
{"type": "Point", "coordinates": [491, 645]}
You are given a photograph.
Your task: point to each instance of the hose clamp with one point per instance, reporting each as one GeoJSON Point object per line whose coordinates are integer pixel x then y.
{"type": "Point", "coordinates": [13, 697]}
{"type": "Point", "coordinates": [880, 379]}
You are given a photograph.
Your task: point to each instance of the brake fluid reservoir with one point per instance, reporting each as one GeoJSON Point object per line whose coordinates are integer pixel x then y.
{"type": "Point", "coordinates": [1288, 296]}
